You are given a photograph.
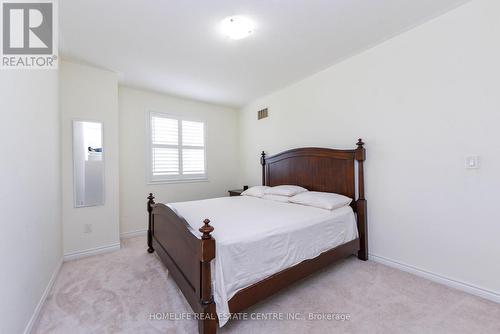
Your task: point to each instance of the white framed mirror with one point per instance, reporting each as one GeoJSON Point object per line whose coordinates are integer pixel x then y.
{"type": "Point", "coordinates": [88, 163]}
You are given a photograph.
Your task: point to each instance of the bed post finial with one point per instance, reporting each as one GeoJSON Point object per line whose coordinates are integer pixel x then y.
{"type": "Point", "coordinates": [206, 229]}
{"type": "Point", "coordinates": [263, 163]}
{"type": "Point", "coordinates": [151, 203]}
{"type": "Point", "coordinates": [360, 154]}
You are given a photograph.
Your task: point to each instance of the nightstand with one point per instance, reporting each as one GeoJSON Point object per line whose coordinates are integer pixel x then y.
{"type": "Point", "coordinates": [236, 192]}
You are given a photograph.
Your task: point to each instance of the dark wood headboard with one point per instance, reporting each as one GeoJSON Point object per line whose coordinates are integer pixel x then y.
{"type": "Point", "coordinates": [322, 169]}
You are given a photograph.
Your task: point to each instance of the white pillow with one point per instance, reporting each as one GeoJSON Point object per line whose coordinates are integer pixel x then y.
{"type": "Point", "coordinates": [277, 198]}
{"type": "Point", "coordinates": [328, 201]}
{"type": "Point", "coordinates": [257, 191]}
{"type": "Point", "coordinates": [285, 190]}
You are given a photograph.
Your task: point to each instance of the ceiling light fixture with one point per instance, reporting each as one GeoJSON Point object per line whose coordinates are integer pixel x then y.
{"type": "Point", "coordinates": [237, 27]}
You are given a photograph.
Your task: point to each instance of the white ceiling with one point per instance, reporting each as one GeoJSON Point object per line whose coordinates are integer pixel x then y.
{"type": "Point", "coordinates": [174, 46]}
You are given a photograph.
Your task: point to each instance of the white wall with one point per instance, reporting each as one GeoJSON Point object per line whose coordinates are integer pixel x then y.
{"type": "Point", "coordinates": [30, 209]}
{"type": "Point", "coordinates": [422, 101]}
{"type": "Point", "coordinates": [88, 93]}
{"type": "Point", "coordinates": [222, 153]}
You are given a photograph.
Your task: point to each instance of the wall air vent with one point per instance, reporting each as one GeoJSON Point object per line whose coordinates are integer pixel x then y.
{"type": "Point", "coordinates": [262, 113]}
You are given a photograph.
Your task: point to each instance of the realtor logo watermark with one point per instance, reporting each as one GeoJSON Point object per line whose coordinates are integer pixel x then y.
{"type": "Point", "coordinates": [29, 34]}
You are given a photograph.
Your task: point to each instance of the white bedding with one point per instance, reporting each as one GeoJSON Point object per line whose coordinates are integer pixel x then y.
{"type": "Point", "coordinates": [256, 238]}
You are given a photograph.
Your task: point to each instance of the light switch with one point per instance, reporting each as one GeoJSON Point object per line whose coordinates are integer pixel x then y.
{"type": "Point", "coordinates": [472, 162]}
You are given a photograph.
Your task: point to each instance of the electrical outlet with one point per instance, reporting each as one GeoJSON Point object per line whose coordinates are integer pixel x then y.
{"type": "Point", "coordinates": [87, 228]}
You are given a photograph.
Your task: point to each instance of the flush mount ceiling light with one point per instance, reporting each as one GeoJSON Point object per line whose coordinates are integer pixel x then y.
{"type": "Point", "coordinates": [237, 27]}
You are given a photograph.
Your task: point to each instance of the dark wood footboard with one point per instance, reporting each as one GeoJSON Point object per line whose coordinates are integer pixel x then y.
{"type": "Point", "coordinates": [187, 258]}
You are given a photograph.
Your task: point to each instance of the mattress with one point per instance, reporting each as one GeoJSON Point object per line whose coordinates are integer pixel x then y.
{"type": "Point", "coordinates": [256, 238]}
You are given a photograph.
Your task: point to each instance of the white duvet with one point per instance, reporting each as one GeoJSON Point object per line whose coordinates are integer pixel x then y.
{"type": "Point", "coordinates": [256, 238]}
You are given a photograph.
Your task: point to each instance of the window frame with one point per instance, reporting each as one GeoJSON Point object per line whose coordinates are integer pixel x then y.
{"type": "Point", "coordinates": [179, 178]}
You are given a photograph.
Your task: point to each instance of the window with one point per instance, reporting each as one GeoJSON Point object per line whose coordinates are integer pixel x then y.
{"type": "Point", "coordinates": [178, 151]}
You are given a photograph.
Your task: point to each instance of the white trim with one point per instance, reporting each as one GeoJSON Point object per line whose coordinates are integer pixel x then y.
{"type": "Point", "coordinates": [466, 287]}
{"type": "Point", "coordinates": [43, 298]}
{"type": "Point", "coordinates": [133, 234]}
{"type": "Point", "coordinates": [92, 251]}
{"type": "Point", "coordinates": [191, 180]}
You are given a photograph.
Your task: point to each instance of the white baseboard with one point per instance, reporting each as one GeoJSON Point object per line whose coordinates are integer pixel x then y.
{"type": "Point", "coordinates": [92, 251]}
{"type": "Point", "coordinates": [41, 302]}
{"type": "Point", "coordinates": [132, 234]}
{"type": "Point", "coordinates": [466, 287]}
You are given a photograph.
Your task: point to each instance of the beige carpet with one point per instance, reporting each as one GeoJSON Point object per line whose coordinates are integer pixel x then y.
{"type": "Point", "coordinates": [117, 292]}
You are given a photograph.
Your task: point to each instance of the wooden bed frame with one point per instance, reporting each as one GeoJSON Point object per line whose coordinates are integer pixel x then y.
{"type": "Point", "coordinates": [188, 256]}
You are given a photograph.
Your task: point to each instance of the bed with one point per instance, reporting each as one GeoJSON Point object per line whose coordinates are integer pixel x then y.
{"type": "Point", "coordinates": [262, 246]}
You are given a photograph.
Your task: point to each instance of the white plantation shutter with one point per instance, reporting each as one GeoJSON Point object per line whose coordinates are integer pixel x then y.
{"type": "Point", "coordinates": [193, 147]}
{"type": "Point", "coordinates": [177, 148]}
{"type": "Point", "coordinates": [165, 131]}
{"type": "Point", "coordinates": [192, 134]}
{"type": "Point", "coordinates": [193, 161]}
{"type": "Point", "coordinates": [165, 161]}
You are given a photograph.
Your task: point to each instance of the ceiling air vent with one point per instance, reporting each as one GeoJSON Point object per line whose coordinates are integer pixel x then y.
{"type": "Point", "coordinates": [262, 114]}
